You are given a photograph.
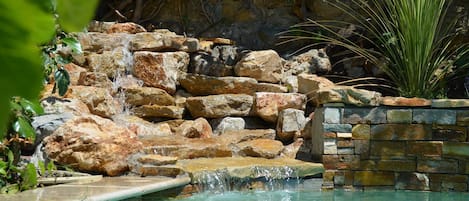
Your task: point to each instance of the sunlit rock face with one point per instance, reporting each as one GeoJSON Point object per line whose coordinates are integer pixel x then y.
{"type": "Point", "coordinates": [168, 97]}
{"type": "Point", "coordinates": [265, 65]}
{"type": "Point", "coordinates": [92, 144]}
{"type": "Point", "coordinates": [160, 70]}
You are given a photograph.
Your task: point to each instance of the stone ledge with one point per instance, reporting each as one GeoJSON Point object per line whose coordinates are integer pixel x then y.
{"type": "Point", "coordinates": [250, 167]}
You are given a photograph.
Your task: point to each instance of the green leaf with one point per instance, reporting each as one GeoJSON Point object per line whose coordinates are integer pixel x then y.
{"type": "Point", "coordinates": [29, 177]}
{"type": "Point", "coordinates": [10, 189]}
{"type": "Point", "coordinates": [62, 60]}
{"type": "Point", "coordinates": [24, 129]}
{"type": "Point", "coordinates": [51, 166]}
{"type": "Point", "coordinates": [62, 80]}
{"type": "Point", "coordinates": [30, 107]}
{"type": "Point", "coordinates": [73, 43]}
{"type": "Point", "coordinates": [3, 171]}
{"type": "Point", "coordinates": [42, 167]}
{"type": "Point", "coordinates": [10, 158]}
{"type": "Point", "coordinates": [14, 106]}
{"type": "Point", "coordinates": [24, 27]}
{"type": "Point", "coordinates": [74, 15]}
{"type": "Point", "coordinates": [3, 168]}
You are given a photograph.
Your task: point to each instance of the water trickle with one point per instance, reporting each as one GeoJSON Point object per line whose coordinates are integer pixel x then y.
{"type": "Point", "coordinates": [217, 181]}
{"type": "Point", "coordinates": [261, 178]}
{"type": "Point", "coordinates": [122, 78]}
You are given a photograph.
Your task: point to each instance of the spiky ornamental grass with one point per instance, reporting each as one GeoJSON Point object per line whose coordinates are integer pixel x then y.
{"type": "Point", "coordinates": [412, 42]}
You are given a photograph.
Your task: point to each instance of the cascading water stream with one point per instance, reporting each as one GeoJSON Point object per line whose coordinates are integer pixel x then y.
{"type": "Point", "coordinates": [121, 77]}
{"type": "Point", "coordinates": [261, 178]}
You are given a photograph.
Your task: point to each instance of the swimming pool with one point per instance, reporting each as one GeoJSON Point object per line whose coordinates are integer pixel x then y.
{"type": "Point", "coordinates": [337, 195]}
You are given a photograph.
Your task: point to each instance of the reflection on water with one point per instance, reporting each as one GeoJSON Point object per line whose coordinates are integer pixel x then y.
{"type": "Point", "coordinates": [285, 195]}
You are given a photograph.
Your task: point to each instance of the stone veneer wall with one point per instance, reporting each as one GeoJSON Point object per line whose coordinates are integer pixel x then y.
{"type": "Point", "coordinates": [402, 148]}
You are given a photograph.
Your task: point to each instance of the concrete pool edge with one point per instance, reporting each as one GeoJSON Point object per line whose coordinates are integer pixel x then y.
{"type": "Point", "coordinates": [109, 188]}
{"type": "Point", "coordinates": [142, 190]}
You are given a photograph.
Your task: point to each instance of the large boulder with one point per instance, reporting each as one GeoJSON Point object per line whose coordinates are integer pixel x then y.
{"type": "Point", "coordinates": [141, 127]}
{"type": "Point", "coordinates": [74, 71]}
{"type": "Point", "coordinates": [92, 144]}
{"type": "Point", "coordinates": [217, 106]}
{"type": "Point", "coordinates": [309, 84]}
{"type": "Point", "coordinates": [137, 96]}
{"type": "Point", "coordinates": [313, 61]}
{"type": "Point", "coordinates": [98, 42]}
{"type": "Point", "coordinates": [290, 124]}
{"type": "Point", "coordinates": [269, 87]}
{"type": "Point", "coordinates": [268, 105]}
{"type": "Point", "coordinates": [347, 95]}
{"type": "Point", "coordinates": [237, 136]}
{"type": "Point", "coordinates": [94, 79]}
{"type": "Point", "coordinates": [111, 63]}
{"type": "Point", "coordinates": [128, 27]}
{"type": "Point", "coordinates": [265, 65]}
{"type": "Point", "coordinates": [291, 150]}
{"type": "Point", "coordinates": [264, 148]}
{"type": "Point", "coordinates": [206, 85]}
{"type": "Point", "coordinates": [45, 125]}
{"type": "Point", "coordinates": [218, 61]}
{"type": "Point", "coordinates": [163, 40]}
{"type": "Point", "coordinates": [160, 70]}
{"type": "Point", "coordinates": [171, 111]}
{"type": "Point", "coordinates": [55, 105]}
{"type": "Point", "coordinates": [187, 148]}
{"type": "Point", "coordinates": [98, 100]}
{"type": "Point", "coordinates": [199, 128]}
{"type": "Point", "coordinates": [222, 125]}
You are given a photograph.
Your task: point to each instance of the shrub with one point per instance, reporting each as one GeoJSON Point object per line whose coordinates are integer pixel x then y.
{"type": "Point", "coordinates": [411, 41]}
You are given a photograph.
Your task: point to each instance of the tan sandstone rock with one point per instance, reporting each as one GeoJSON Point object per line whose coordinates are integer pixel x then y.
{"type": "Point", "coordinates": [264, 148]}
{"type": "Point", "coordinates": [309, 84]}
{"type": "Point", "coordinates": [268, 105]}
{"type": "Point", "coordinates": [92, 144]}
{"type": "Point", "coordinates": [128, 27]}
{"type": "Point", "coordinates": [217, 106]}
{"type": "Point", "coordinates": [98, 100]}
{"type": "Point", "coordinates": [199, 128]}
{"type": "Point", "coordinates": [160, 70]}
{"type": "Point", "coordinates": [208, 85]}
{"type": "Point", "coordinates": [137, 96]}
{"type": "Point", "coordinates": [265, 65]}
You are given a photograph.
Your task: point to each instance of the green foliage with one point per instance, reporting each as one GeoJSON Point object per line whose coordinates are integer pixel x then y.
{"type": "Point", "coordinates": [19, 132]}
{"type": "Point", "coordinates": [75, 14]}
{"type": "Point", "coordinates": [410, 41]}
{"type": "Point", "coordinates": [27, 24]}
{"type": "Point", "coordinates": [57, 54]}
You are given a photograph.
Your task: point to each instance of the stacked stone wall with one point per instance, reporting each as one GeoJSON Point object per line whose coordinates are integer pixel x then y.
{"type": "Point", "coordinates": [402, 148]}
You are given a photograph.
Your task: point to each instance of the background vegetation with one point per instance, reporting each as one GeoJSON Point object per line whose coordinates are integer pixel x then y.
{"type": "Point", "coordinates": [410, 41]}
{"type": "Point", "coordinates": [27, 24]}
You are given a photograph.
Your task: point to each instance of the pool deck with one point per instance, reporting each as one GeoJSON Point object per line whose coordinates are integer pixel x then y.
{"type": "Point", "coordinates": [108, 188]}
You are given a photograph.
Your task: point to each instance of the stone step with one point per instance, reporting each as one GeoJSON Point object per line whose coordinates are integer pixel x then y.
{"type": "Point", "coordinates": [218, 146]}
{"type": "Point", "coordinates": [154, 170]}
{"type": "Point", "coordinates": [249, 168]}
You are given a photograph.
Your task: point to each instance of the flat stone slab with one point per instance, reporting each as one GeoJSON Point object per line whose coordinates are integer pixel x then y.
{"type": "Point", "coordinates": [450, 103]}
{"type": "Point", "coordinates": [250, 167]}
{"type": "Point", "coordinates": [109, 188]}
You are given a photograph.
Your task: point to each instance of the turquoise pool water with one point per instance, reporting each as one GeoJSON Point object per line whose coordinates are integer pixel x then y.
{"type": "Point", "coordinates": [285, 195]}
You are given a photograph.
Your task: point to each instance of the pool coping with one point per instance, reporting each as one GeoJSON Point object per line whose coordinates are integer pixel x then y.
{"type": "Point", "coordinates": [109, 188]}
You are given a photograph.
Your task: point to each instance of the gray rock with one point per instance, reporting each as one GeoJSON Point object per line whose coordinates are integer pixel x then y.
{"type": "Point", "coordinates": [216, 106]}
{"type": "Point", "coordinates": [313, 61]}
{"type": "Point", "coordinates": [290, 124]}
{"type": "Point", "coordinates": [205, 64]}
{"type": "Point", "coordinates": [45, 125]}
{"type": "Point", "coordinates": [222, 125]}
